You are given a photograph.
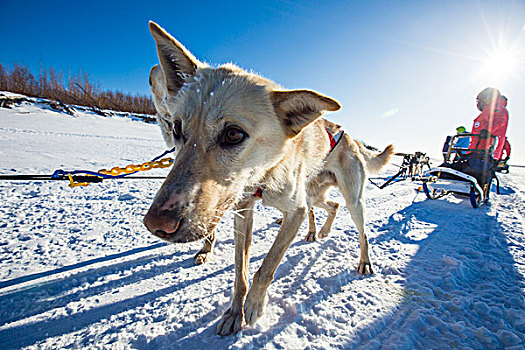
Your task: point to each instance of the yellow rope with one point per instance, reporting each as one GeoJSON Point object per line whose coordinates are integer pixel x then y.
{"type": "Point", "coordinates": [163, 163]}
{"type": "Point", "coordinates": [128, 169]}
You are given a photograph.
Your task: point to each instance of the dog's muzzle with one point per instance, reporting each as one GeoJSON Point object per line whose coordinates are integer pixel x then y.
{"type": "Point", "coordinates": [162, 224]}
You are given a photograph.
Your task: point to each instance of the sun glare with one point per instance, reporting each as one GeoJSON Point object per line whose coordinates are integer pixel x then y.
{"type": "Point", "coordinates": [502, 65]}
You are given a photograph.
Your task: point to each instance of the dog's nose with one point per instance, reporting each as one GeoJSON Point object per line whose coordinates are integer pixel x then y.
{"type": "Point", "coordinates": [161, 223]}
{"type": "Point", "coordinates": [162, 219]}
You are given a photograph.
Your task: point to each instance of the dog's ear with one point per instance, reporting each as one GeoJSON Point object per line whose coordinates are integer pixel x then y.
{"type": "Point", "coordinates": [175, 60]}
{"type": "Point", "coordinates": [298, 108]}
{"type": "Point", "coordinates": [157, 82]}
{"type": "Point", "coordinates": [153, 73]}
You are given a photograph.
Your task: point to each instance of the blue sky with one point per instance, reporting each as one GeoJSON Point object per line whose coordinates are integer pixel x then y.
{"type": "Point", "coordinates": [405, 72]}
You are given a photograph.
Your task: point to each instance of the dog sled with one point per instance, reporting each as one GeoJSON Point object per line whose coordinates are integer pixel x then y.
{"type": "Point", "coordinates": [466, 172]}
{"type": "Point", "coordinates": [411, 168]}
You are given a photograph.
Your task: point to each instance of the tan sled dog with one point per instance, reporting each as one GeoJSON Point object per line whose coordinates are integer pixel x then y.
{"type": "Point", "coordinates": [240, 132]}
{"type": "Point", "coordinates": [316, 188]}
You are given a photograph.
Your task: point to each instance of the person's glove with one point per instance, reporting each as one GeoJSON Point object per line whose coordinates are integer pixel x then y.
{"type": "Point", "coordinates": [484, 134]}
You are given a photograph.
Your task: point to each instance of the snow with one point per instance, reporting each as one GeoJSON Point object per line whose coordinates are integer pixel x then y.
{"type": "Point", "coordinates": [79, 270]}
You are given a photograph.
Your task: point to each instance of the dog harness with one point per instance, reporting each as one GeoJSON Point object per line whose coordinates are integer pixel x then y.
{"type": "Point", "coordinates": [334, 140]}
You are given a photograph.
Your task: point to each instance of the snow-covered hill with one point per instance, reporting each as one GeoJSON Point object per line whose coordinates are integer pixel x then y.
{"type": "Point", "coordinates": [79, 270]}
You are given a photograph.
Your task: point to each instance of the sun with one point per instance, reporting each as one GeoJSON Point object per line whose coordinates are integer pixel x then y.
{"type": "Point", "coordinates": [502, 64]}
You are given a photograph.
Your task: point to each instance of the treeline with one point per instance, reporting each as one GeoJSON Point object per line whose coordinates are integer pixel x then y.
{"type": "Point", "coordinates": [77, 90]}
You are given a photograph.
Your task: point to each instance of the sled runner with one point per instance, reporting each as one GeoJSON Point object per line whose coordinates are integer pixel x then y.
{"type": "Point", "coordinates": [468, 172]}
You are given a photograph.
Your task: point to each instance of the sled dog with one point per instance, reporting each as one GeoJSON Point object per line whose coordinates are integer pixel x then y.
{"type": "Point", "coordinates": [240, 133]}
{"type": "Point", "coordinates": [316, 188]}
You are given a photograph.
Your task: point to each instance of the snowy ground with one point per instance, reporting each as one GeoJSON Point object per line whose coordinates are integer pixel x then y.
{"type": "Point", "coordinates": [78, 269]}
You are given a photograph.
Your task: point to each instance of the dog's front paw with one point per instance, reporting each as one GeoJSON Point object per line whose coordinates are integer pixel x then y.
{"type": "Point", "coordinates": [310, 237]}
{"type": "Point", "coordinates": [364, 268]}
{"type": "Point", "coordinates": [323, 233]}
{"type": "Point", "coordinates": [231, 322]}
{"type": "Point", "coordinates": [254, 307]}
{"type": "Point", "coordinates": [201, 257]}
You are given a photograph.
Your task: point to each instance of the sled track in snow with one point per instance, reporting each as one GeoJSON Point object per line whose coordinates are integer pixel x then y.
{"type": "Point", "coordinates": [68, 134]}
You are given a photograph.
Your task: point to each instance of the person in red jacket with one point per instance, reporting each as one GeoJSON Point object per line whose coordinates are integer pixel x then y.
{"type": "Point", "coordinates": [493, 120]}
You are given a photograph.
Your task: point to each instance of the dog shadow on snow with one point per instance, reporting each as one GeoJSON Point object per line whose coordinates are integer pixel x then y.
{"type": "Point", "coordinates": [26, 302]}
{"type": "Point", "coordinates": [461, 286]}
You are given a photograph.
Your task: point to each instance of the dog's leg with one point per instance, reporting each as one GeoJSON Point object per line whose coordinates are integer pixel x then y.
{"type": "Point", "coordinates": [233, 319]}
{"type": "Point", "coordinates": [331, 208]}
{"type": "Point", "coordinates": [256, 298]}
{"type": "Point", "coordinates": [351, 185]}
{"type": "Point", "coordinates": [310, 237]}
{"type": "Point", "coordinates": [357, 212]}
{"type": "Point", "coordinates": [205, 253]}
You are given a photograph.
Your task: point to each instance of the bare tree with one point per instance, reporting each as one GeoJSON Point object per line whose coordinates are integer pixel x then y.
{"type": "Point", "coordinates": [79, 89]}
{"type": "Point", "coordinates": [3, 78]}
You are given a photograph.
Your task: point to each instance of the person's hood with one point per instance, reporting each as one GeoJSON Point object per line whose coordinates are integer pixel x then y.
{"type": "Point", "coordinates": [501, 102]}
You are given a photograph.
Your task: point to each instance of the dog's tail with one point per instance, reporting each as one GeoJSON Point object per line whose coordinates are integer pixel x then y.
{"type": "Point", "coordinates": [375, 162]}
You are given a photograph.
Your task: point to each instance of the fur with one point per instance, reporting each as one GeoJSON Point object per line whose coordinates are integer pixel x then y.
{"type": "Point", "coordinates": [239, 131]}
{"type": "Point", "coordinates": [316, 188]}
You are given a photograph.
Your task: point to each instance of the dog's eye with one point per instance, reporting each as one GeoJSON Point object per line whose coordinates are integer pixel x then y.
{"type": "Point", "coordinates": [177, 129]}
{"type": "Point", "coordinates": [233, 135]}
